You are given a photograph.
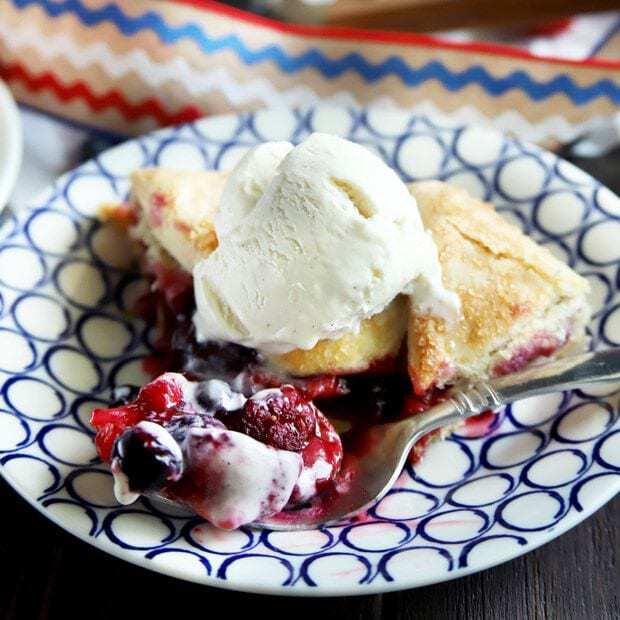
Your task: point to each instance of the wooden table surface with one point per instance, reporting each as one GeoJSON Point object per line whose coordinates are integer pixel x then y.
{"type": "Point", "coordinates": [50, 574]}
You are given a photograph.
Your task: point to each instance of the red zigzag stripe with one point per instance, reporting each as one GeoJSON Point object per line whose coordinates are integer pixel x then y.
{"type": "Point", "coordinates": [111, 99]}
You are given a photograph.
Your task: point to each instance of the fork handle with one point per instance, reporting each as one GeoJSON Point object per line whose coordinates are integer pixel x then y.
{"type": "Point", "coordinates": [565, 373]}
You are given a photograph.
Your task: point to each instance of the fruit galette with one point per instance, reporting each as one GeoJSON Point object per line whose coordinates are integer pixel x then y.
{"type": "Point", "coordinates": [304, 293]}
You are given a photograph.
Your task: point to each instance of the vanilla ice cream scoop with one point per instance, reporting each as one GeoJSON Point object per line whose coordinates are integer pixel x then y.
{"type": "Point", "coordinates": [251, 177]}
{"type": "Point", "coordinates": [312, 240]}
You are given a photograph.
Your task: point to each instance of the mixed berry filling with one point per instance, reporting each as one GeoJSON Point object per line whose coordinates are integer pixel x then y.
{"type": "Point", "coordinates": [234, 439]}
{"type": "Point", "coordinates": [236, 442]}
{"type": "Point", "coordinates": [541, 345]}
{"type": "Point", "coordinates": [230, 458]}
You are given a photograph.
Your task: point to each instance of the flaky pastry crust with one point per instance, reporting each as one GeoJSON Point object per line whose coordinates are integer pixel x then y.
{"type": "Point", "coordinates": [513, 292]}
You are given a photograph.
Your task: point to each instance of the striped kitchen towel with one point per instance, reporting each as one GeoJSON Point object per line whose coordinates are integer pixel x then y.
{"type": "Point", "coordinates": [132, 65]}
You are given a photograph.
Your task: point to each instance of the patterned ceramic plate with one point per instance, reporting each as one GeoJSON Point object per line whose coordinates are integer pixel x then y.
{"type": "Point", "coordinates": [66, 338]}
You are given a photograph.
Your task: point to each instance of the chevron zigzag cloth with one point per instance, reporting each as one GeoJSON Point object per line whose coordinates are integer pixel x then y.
{"type": "Point", "coordinates": [129, 66]}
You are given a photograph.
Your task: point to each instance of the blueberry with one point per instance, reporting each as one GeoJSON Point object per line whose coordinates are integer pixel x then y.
{"type": "Point", "coordinates": [201, 360]}
{"type": "Point", "coordinates": [378, 398]}
{"type": "Point", "coordinates": [179, 425]}
{"type": "Point", "coordinates": [149, 456]}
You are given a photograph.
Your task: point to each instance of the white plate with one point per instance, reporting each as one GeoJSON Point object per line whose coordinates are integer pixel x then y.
{"type": "Point", "coordinates": [471, 504]}
{"type": "Point", "coordinates": [10, 143]}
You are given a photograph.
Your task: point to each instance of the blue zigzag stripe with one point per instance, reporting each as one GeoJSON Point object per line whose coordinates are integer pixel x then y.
{"type": "Point", "coordinates": [314, 59]}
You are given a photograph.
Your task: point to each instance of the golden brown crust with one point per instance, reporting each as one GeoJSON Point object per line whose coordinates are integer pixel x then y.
{"type": "Point", "coordinates": [505, 281]}
{"type": "Point", "coordinates": [380, 338]}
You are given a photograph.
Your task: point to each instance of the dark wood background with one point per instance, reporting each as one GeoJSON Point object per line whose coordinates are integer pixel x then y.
{"type": "Point", "coordinates": [47, 573]}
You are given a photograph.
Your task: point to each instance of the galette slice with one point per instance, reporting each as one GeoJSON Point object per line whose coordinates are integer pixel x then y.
{"type": "Point", "coordinates": [175, 211]}
{"type": "Point", "coordinates": [519, 303]}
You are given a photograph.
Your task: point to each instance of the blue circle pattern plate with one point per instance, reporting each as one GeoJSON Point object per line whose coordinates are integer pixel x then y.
{"type": "Point", "coordinates": [66, 338]}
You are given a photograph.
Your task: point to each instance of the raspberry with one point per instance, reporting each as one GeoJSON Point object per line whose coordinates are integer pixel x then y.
{"type": "Point", "coordinates": [281, 418]}
{"type": "Point", "coordinates": [320, 386]}
{"type": "Point", "coordinates": [160, 398]}
{"type": "Point", "coordinates": [322, 460]}
{"type": "Point", "coordinates": [125, 415]}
